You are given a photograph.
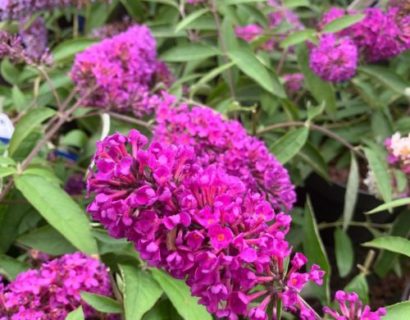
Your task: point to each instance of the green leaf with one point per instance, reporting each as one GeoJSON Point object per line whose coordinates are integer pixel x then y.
{"type": "Point", "coordinates": [315, 250]}
{"type": "Point", "coordinates": [7, 161]}
{"type": "Point", "coordinates": [11, 217]}
{"type": "Point", "coordinates": [343, 23]}
{"type": "Point", "coordinates": [69, 48]}
{"type": "Point", "coordinates": [27, 124]}
{"type": "Point", "coordinates": [398, 311]}
{"type": "Point", "coordinates": [359, 285]}
{"type": "Point", "coordinates": [321, 90]}
{"type": "Point", "coordinates": [390, 205]}
{"type": "Point", "coordinates": [11, 267]}
{"type": "Point", "coordinates": [19, 100]}
{"type": "Point", "coordinates": [172, 3]}
{"type": "Point", "coordinates": [189, 52]}
{"type": "Point", "coordinates": [77, 314]}
{"type": "Point", "coordinates": [316, 111]}
{"type": "Point", "coordinates": [135, 8]}
{"type": "Point", "coordinates": [98, 14]}
{"type": "Point", "coordinates": [380, 124]}
{"type": "Point", "coordinates": [228, 34]}
{"type": "Point", "coordinates": [163, 310]}
{"type": "Point", "coordinates": [75, 138]}
{"type": "Point", "coordinates": [298, 37]}
{"type": "Point", "coordinates": [387, 77]}
{"type": "Point", "coordinates": [58, 80]}
{"type": "Point", "coordinates": [61, 212]}
{"type": "Point", "coordinates": [246, 61]}
{"type": "Point", "coordinates": [387, 259]}
{"type": "Point", "coordinates": [352, 191]}
{"type": "Point", "coordinates": [141, 292]}
{"type": "Point", "coordinates": [46, 173]}
{"type": "Point", "coordinates": [180, 296]}
{"type": "Point", "coordinates": [296, 3]}
{"type": "Point", "coordinates": [47, 240]}
{"type": "Point", "coordinates": [290, 144]}
{"type": "Point", "coordinates": [381, 172]}
{"type": "Point", "coordinates": [9, 72]}
{"type": "Point", "coordinates": [189, 19]}
{"type": "Point", "coordinates": [5, 172]}
{"type": "Point", "coordinates": [214, 73]}
{"type": "Point", "coordinates": [101, 303]}
{"type": "Point", "coordinates": [395, 244]}
{"type": "Point", "coordinates": [344, 252]}
{"type": "Point", "coordinates": [312, 156]}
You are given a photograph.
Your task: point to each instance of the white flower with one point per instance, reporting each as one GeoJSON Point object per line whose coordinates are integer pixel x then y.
{"type": "Point", "coordinates": [400, 147]}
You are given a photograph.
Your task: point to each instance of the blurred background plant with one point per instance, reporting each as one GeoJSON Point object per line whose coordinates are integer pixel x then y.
{"type": "Point", "coordinates": [325, 84]}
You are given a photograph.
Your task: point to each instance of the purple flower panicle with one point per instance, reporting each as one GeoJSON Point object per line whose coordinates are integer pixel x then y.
{"type": "Point", "coordinates": [197, 222]}
{"type": "Point", "coordinates": [53, 291]}
{"type": "Point", "coordinates": [17, 9]}
{"type": "Point", "coordinates": [281, 21]}
{"type": "Point", "coordinates": [249, 32]}
{"type": "Point", "coordinates": [334, 59]}
{"type": "Point", "coordinates": [293, 82]}
{"type": "Point", "coordinates": [13, 48]}
{"type": "Point", "coordinates": [120, 72]}
{"type": "Point", "coordinates": [351, 308]}
{"type": "Point", "coordinates": [75, 184]}
{"type": "Point", "coordinates": [379, 36]}
{"type": "Point", "coordinates": [227, 144]}
{"type": "Point", "coordinates": [34, 37]}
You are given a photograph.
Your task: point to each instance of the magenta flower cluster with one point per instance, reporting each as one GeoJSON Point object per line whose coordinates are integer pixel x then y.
{"type": "Point", "coordinates": [334, 59]}
{"type": "Point", "coordinates": [17, 9]}
{"type": "Point", "coordinates": [249, 32]}
{"type": "Point", "coordinates": [351, 308]}
{"type": "Point", "coordinates": [199, 223]}
{"type": "Point", "coordinates": [227, 144]}
{"type": "Point", "coordinates": [379, 36]}
{"type": "Point", "coordinates": [281, 22]}
{"type": "Point", "coordinates": [293, 82]}
{"type": "Point", "coordinates": [53, 291]}
{"type": "Point", "coordinates": [120, 72]}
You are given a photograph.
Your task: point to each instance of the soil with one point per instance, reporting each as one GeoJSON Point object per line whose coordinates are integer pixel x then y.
{"type": "Point", "coordinates": [384, 291]}
{"type": "Point", "coordinates": [389, 290]}
{"type": "Point", "coordinates": [328, 206]}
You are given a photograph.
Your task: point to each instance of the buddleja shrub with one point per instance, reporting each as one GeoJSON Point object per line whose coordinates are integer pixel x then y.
{"type": "Point", "coordinates": [152, 150]}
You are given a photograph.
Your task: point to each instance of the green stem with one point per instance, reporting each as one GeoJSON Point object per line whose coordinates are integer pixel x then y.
{"type": "Point", "coordinates": [279, 310]}
{"type": "Point", "coordinates": [314, 127]}
{"type": "Point", "coordinates": [363, 224]}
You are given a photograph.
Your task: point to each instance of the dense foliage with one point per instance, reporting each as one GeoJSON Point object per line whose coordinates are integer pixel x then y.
{"type": "Point", "coordinates": [204, 159]}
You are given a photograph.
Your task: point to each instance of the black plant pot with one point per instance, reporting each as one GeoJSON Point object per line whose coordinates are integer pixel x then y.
{"type": "Point", "coordinates": [328, 203]}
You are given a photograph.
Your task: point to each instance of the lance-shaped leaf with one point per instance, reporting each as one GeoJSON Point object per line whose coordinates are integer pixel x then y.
{"type": "Point", "coordinates": [62, 212]}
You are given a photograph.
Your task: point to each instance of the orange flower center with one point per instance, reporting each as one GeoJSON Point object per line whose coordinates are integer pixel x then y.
{"type": "Point", "coordinates": [221, 237]}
